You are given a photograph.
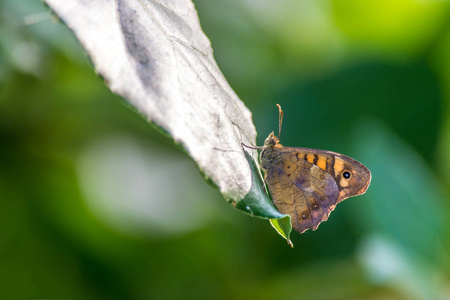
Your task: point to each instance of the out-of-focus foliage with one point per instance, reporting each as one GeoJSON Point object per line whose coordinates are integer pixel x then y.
{"type": "Point", "coordinates": [95, 204]}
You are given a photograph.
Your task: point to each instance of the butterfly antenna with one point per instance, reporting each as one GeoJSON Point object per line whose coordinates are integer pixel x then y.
{"type": "Point", "coordinates": [280, 119]}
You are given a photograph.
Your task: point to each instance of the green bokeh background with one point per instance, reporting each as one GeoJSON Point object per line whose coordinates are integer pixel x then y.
{"type": "Point", "coordinates": [87, 209]}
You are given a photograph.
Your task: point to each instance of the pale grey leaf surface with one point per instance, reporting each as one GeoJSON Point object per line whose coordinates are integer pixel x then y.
{"type": "Point", "coordinates": [154, 54]}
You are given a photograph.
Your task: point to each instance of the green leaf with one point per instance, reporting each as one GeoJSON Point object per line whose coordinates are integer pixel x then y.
{"type": "Point", "coordinates": [284, 227]}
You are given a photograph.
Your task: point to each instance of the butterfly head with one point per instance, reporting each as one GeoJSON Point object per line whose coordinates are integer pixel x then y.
{"type": "Point", "coordinates": [269, 152]}
{"type": "Point", "coordinates": [271, 140]}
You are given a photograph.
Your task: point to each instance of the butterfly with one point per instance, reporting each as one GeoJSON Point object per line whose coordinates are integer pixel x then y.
{"type": "Point", "coordinates": [307, 184]}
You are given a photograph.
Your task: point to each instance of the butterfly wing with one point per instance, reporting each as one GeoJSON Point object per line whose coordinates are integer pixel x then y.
{"type": "Point", "coordinates": [307, 183]}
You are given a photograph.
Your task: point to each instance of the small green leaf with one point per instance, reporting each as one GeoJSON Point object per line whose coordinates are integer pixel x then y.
{"type": "Point", "coordinates": [284, 227]}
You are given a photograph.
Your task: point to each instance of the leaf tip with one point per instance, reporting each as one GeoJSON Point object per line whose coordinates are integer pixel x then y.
{"type": "Point", "coordinates": [283, 227]}
{"type": "Point", "coordinates": [290, 243]}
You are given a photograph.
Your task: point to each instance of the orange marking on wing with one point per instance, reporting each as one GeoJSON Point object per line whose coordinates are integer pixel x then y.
{"type": "Point", "coordinates": [343, 182]}
{"type": "Point", "coordinates": [322, 163]}
{"type": "Point", "coordinates": [338, 166]}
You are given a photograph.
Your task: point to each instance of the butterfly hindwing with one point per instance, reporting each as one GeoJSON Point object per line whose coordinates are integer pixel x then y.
{"type": "Point", "coordinates": [301, 189]}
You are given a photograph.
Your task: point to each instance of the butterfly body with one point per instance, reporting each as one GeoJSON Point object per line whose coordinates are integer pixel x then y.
{"type": "Point", "coordinates": [308, 183]}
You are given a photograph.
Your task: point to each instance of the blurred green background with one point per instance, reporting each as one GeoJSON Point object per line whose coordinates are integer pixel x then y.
{"type": "Point", "coordinates": [86, 211]}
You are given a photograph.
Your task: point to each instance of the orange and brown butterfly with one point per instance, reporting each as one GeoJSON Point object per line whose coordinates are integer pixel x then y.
{"type": "Point", "coordinates": [308, 183]}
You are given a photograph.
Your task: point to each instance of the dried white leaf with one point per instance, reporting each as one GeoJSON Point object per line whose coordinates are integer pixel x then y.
{"type": "Point", "coordinates": [156, 56]}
